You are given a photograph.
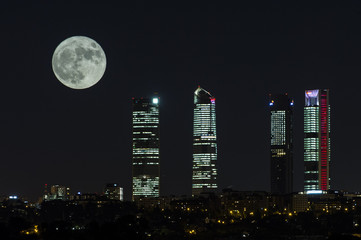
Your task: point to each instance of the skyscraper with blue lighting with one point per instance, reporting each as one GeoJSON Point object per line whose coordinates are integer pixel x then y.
{"type": "Point", "coordinates": [204, 177]}
{"type": "Point", "coordinates": [281, 108]}
{"type": "Point", "coordinates": [145, 148]}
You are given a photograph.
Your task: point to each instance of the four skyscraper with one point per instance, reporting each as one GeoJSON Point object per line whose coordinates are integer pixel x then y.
{"type": "Point", "coordinates": [146, 154]}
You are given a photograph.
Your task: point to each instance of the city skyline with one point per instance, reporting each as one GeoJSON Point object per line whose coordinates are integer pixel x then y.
{"type": "Point", "coordinates": [146, 120]}
{"type": "Point", "coordinates": [240, 52]}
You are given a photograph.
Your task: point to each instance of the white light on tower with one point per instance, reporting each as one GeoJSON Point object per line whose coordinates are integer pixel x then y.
{"type": "Point", "coordinates": [315, 192]}
{"type": "Point", "coordinates": [155, 100]}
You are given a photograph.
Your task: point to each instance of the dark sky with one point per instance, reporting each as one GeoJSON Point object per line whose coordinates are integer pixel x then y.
{"type": "Point", "coordinates": [240, 52]}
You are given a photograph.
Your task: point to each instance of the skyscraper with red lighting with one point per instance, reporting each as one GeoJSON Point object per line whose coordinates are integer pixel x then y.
{"type": "Point", "coordinates": [317, 140]}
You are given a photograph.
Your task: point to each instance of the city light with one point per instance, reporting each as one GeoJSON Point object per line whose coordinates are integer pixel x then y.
{"type": "Point", "coordinates": [314, 192]}
{"type": "Point", "coordinates": [188, 168]}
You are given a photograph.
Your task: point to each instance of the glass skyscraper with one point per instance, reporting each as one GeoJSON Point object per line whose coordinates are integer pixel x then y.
{"type": "Point", "coordinates": [145, 152]}
{"type": "Point", "coordinates": [317, 140]}
{"type": "Point", "coordinates": [204, 177]}
{"type": "Point", "coordinates": [281, 107]}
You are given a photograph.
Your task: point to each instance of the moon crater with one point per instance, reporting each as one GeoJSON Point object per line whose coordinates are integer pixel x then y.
{"type": "Point", "coordinates": [79, 62]}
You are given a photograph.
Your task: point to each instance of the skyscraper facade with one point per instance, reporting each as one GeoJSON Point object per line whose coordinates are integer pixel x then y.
{"type": "Point", "coordinates": [113, 192]}
{"type": "Point", "coordinates": [145, 152]}
{"type": "Point", "coordinates": [281, 107]}
{"type": "Point", "coordinates": [317, 140]}
{"type": "Point", "coordinates": [204, 177]}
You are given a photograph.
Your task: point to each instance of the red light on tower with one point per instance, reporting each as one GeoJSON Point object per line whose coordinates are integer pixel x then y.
{"type": "Point", "coordinates": [324, 142]}
{"type": "Point", "coordinates": [317, 114]}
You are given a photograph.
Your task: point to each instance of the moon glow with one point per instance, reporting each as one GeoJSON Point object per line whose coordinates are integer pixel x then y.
{"type": "Point", "coordinates": [79, 62]}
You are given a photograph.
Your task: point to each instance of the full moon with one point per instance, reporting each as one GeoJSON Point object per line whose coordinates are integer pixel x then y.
{"type": "Point", "coordinates": [79, 62]}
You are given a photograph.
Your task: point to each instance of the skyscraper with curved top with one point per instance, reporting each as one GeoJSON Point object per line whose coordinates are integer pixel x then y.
{"type": "Point", "coordinates": [204, 177]}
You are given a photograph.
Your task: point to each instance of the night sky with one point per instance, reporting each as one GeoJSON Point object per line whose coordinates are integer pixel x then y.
{"type": "Point", "coordinates": [240, 52]}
